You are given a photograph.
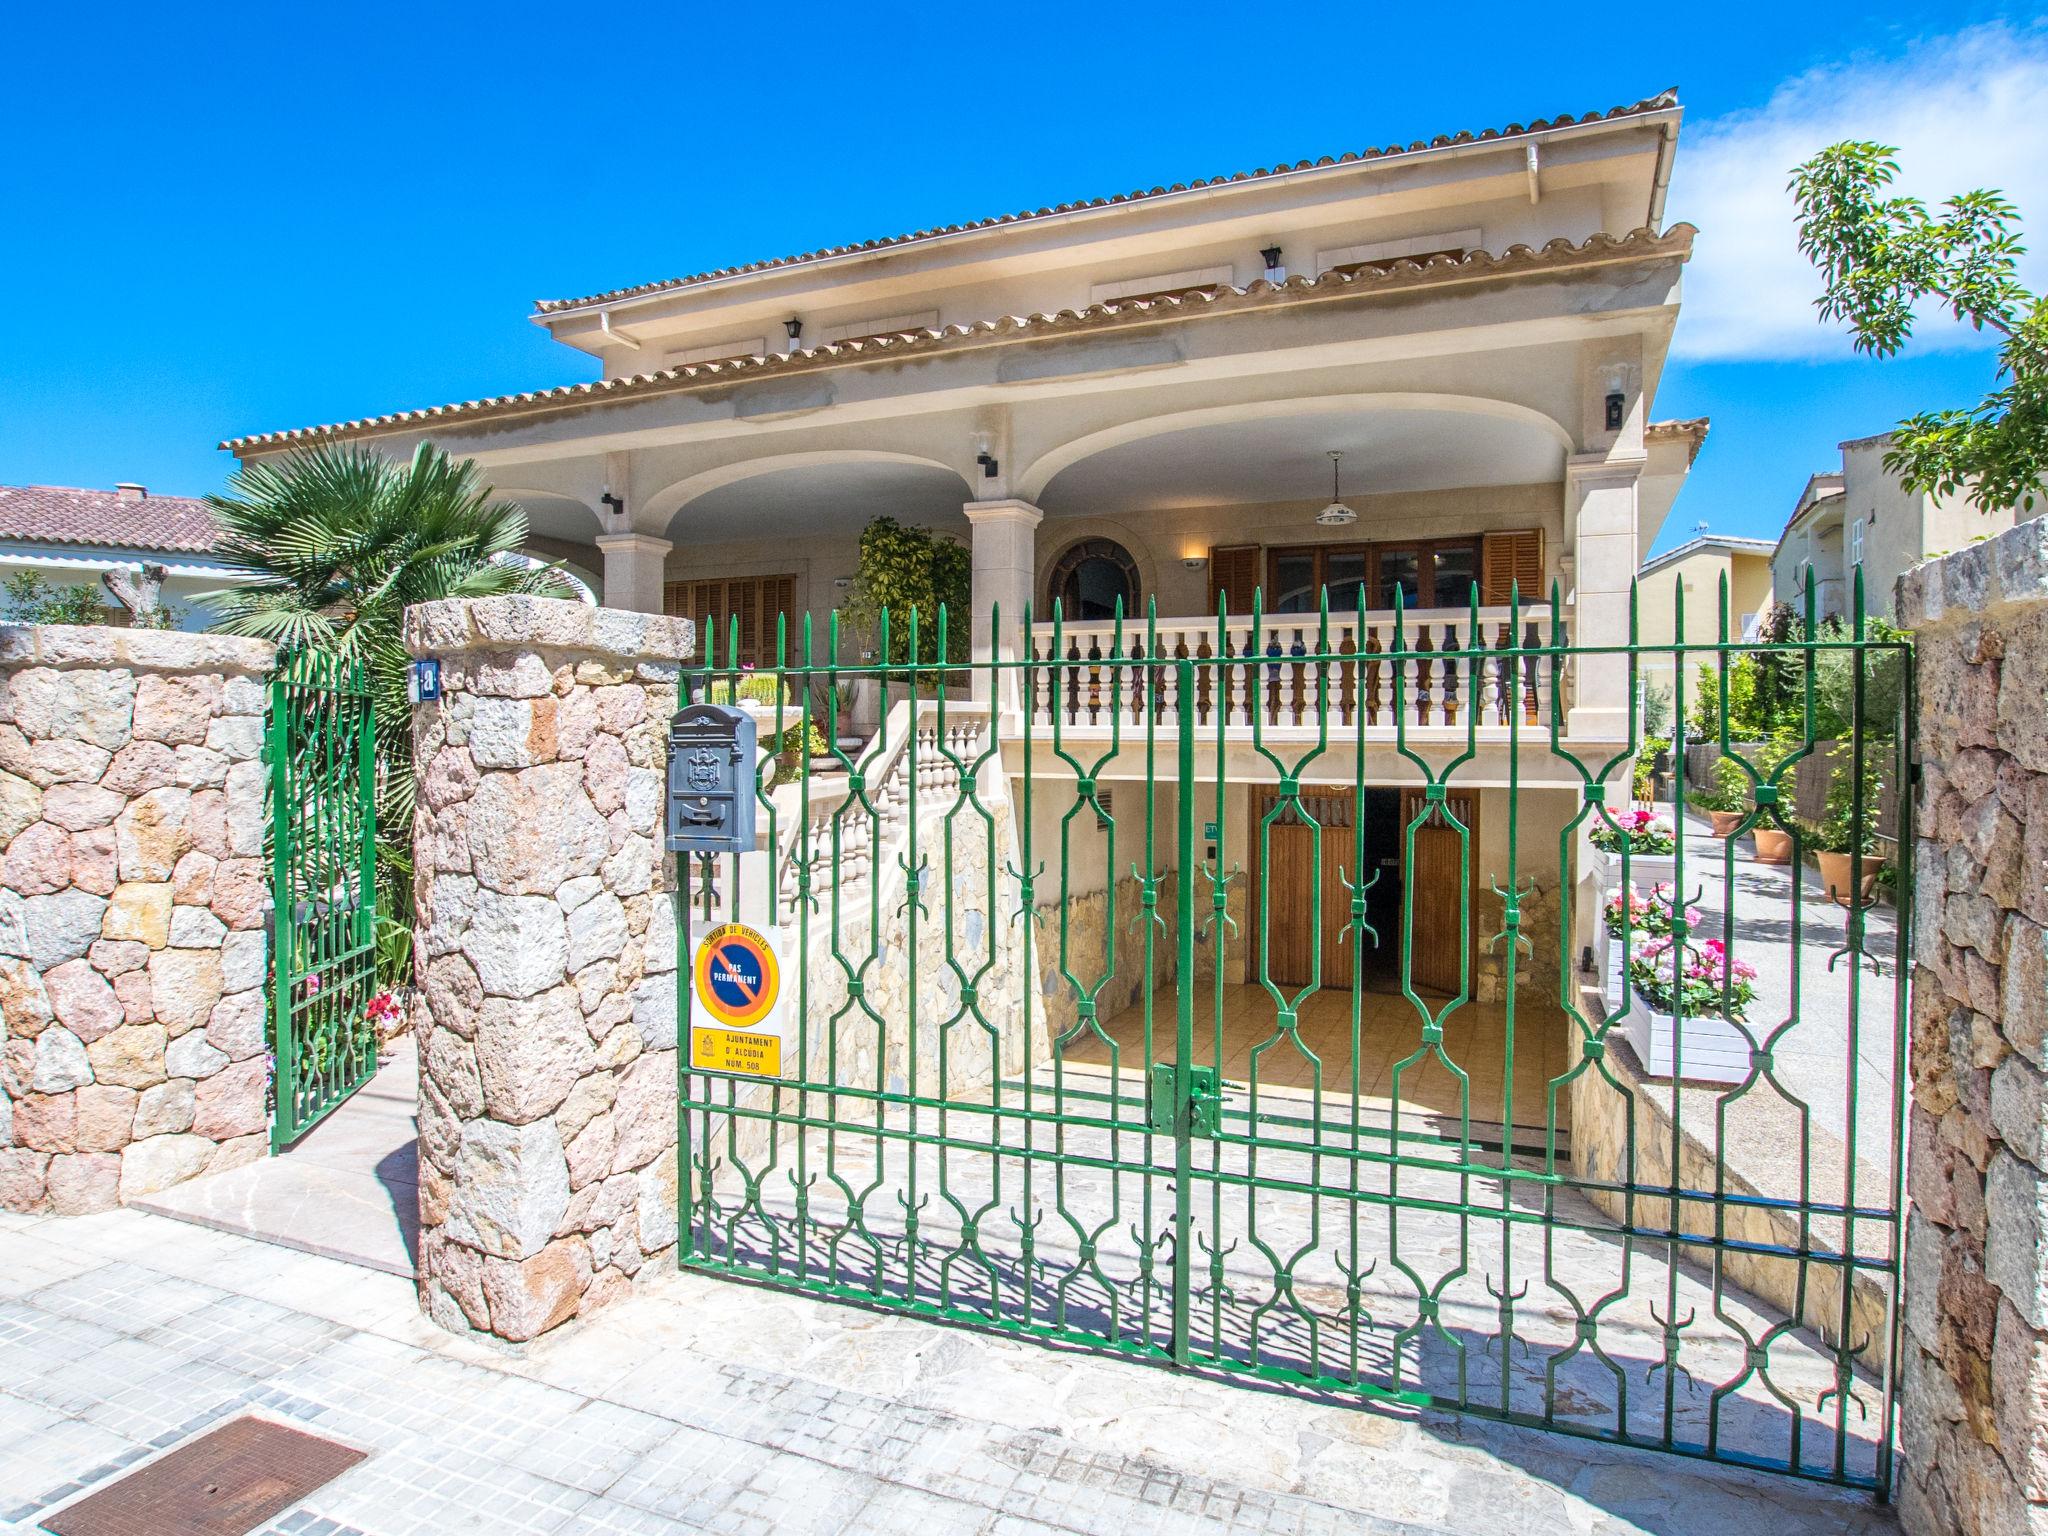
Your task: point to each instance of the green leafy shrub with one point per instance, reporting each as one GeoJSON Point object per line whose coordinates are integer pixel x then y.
{"type": "Point", "coordinates": [749, 687]}
{"type": "Point", "coordinates": [1643, 779]}
{"type": "Point", "coordinates": [1838, 830]}
{"type": "Point", "coordinates": [1726, 788]}
{"type": "Point", "coordinates": [32, 600]}
{"type": "Point", "coordinates": [904, 570]}
{"type": "Point", "coordinates": [1703, 720]}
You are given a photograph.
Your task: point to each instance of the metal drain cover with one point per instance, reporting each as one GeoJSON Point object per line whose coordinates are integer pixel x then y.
{"type": "Point", "coordinates": [228, 1481]}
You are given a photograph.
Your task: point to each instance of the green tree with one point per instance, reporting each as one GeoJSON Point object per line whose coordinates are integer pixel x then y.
{"type": "Point", "coordinates": [905, 570]}
{"type": "Point", "coordinates": [1703, 720]}
{"type": "Point", "coordinates": [337, 542]}
{"type": "Point", "coordinates": [1881, 256]}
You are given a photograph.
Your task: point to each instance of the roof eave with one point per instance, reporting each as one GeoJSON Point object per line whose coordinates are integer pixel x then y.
{"type": "Point", "coordinates": [1556, 257]}
{"type": "Point", "coordinates": [1662, 108]}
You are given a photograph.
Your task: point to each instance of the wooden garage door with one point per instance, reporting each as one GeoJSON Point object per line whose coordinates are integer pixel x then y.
{"type": "Point", "coordinates": [757, 601]}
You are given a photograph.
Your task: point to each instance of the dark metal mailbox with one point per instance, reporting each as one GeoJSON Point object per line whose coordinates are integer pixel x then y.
{"type": "Point", "coordinates": [711, 780]}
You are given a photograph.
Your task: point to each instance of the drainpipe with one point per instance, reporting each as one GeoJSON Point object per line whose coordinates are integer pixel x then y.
{"type": "Point", "coordinates": [1667, 144]}
{"type": "Point", "coordinates": [615, 337]}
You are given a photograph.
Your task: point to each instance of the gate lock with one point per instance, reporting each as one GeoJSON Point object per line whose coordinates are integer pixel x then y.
{"type": "Point", "coordinates": [1204, 1101]}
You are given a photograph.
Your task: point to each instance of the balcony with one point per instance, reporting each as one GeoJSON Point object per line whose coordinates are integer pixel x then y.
{"type": "Point", "coordinates": [1434, 675]}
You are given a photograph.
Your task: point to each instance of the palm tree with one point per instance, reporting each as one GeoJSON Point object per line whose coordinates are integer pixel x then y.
{"type": "Point", "coordinates": [338, 542]}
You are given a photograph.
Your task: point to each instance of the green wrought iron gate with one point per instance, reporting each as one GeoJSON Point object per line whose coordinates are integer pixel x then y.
{"type": "Point", "coordinates": [1307, 996]}
{"type": "Point", "coordinates": [320, 746]}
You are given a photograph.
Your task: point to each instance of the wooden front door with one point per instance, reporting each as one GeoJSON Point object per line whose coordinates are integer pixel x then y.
{"type": "Point", "coordinates": [1288, 876]}
{"type": "Point", "coordinates": [1436, 873]}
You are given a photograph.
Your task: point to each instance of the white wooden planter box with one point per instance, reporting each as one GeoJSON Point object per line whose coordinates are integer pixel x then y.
{"type": "Point", "coordinates": [1646, 869]}
{"type": "Point", "coordinates": [1649, 870]}
{"type": "Point", "coordinates": [1716, 1051]}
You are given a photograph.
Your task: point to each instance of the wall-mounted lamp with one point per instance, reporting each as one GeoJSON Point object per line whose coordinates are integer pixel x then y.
{"type": "Point", "coordinates": [1194, 562]}
{"type": "Point", "coordinates": [616, 503]}
{"type": "Point", "coordinates": [793, 328]}
{"type": "Point", "coordinates": [987, 461]}
{"type": "Point", "coordinates": [1615, 401]}
{"type": "Point", "coordinates": [1275, 273]}
{"type": "Point", "coordinates": [842, 582]}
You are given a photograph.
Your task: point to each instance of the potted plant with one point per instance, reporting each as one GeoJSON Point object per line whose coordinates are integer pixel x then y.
{"type": "Point", "coordinates": [1685, 1010]}
{"type": "Point", "coordinates": [1842, 842]}
{"type": "Point", "coordinates": [1724, 797]}
{"type": "Point", "coordinates": [1631, 917]}
{"type": "Point", "coordinates": [1645, 917]}
{"type": "Point", "coordinates": [1774, 841]}
{"type": "Point", "coordinates": [1642, 834]}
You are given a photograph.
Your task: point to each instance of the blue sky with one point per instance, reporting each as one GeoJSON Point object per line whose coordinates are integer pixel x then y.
{"type": "Point", "coordinates": [273, 216]}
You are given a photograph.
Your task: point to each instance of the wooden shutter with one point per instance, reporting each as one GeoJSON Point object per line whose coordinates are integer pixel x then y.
{"type": "Point", "coordinates": [1233, 574]}
{"type": "Point", "coordinates": [1512, 560]}
{"type": "Point", "coordinates": [757, 601]}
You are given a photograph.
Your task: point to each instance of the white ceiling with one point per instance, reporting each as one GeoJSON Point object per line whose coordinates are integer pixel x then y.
{"type": "Point", "coordinates": [558, 517]}
{"type": "Point", "coordinates": [1286, 459]}
{"type": "Point", "coordinates": [822, 498]}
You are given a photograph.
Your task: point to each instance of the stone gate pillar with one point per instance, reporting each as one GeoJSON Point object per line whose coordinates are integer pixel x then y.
{"type": "Point", "coordinates": [1974, 1412]}
{"type": "Point", "coordinates": [545, 945]}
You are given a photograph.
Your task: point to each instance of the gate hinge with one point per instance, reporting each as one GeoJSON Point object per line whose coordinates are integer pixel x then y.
{"type": "Point", "coordinates": [1204, 1102]}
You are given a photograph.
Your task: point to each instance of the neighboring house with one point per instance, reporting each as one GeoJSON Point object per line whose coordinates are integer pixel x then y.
{"type": "Point", "coordinates": [1697, 568]}
{"type": "Point", "coordinates": [1862, 516]}
{"type": "Point", "coordinates": [1134, 401]}
{"type": "Point", "coordinates": [72, 537]}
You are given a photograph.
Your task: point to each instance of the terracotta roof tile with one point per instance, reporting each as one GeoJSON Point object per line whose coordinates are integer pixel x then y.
{"type": "Point", "coordinates": [1380, 277]}
{"type": "Point", "coordinates": [1692, 431]}
{"type": "Point", "coordinates": [61, 514]}
{"type": "Point", "coordinates": [1663, 101]}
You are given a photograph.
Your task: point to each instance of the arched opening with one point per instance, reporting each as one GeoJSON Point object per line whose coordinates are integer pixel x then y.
{"type": "Point", "coordinates": [1095, 579]}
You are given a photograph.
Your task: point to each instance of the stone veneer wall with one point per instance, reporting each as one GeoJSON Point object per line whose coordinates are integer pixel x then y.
{"type": "Point", "coordinates": [132, 897]}
{"type": "Point", "coordinates": [1973, 1423]}
{"type": "Point", "coordinates": [545, 948]}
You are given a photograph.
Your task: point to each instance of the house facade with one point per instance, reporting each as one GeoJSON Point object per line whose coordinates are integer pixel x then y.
{"type": "Point", "coordinates": [1861, 516]}
{"type": "Point", "coordinates": [1423, 375]}
{"type": "Point", "coordinates": [1697, 569]}
{"type": "Point", "coordinates": [126, 545]}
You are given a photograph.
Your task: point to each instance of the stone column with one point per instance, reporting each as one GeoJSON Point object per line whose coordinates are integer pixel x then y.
{"type": "Point", "coordinates": [1005, 566]}
{"type": "Point", "coordinates": [635, 565]}
{"type": "Point", "coordinates": [1973, 1418]}
{"type": "Point", "coordinates": [132, 894]}
{"type": "Point", "coordinates": [545, 946]}
{"type": "Point", "coordinates": [1600, 506]}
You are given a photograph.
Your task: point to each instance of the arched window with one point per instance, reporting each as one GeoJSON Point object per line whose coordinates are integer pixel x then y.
{"type": "Point", "coordinates": [1090, 579]}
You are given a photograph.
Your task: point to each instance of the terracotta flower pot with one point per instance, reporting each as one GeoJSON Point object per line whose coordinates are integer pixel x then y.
{"type": "Point", "coordinates": [1725, 822]}
{"type": "Point", "coordinates": [1836, 871]}
{"type": "Point", "coordinates": [1773, 845]}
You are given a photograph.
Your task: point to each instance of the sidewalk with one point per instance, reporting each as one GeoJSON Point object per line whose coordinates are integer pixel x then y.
{"type": "Point", "coordinates": [706, 1405]}
{"type": "Point", "coordinates": [349, 1190]}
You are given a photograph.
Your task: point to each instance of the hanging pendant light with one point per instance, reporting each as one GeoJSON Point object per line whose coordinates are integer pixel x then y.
{"type": "Point", "coordinates": [1336, 514]}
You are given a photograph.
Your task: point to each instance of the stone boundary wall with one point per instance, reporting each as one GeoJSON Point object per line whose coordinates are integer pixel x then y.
{"type": "Point", "coordinates": [545, 948]}
{"type": "Point", "coordinates": [1973, 1421]}
{"type": "Point", "coordinates": [132, 899]}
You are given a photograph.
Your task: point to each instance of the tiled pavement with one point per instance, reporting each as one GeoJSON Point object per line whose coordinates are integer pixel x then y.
{"type": "Point", "coordinates": [708, 1406]}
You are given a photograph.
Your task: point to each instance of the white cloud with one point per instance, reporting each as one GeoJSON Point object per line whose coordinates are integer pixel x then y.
{"type": "Point", "coordinates": [1966, 111]}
